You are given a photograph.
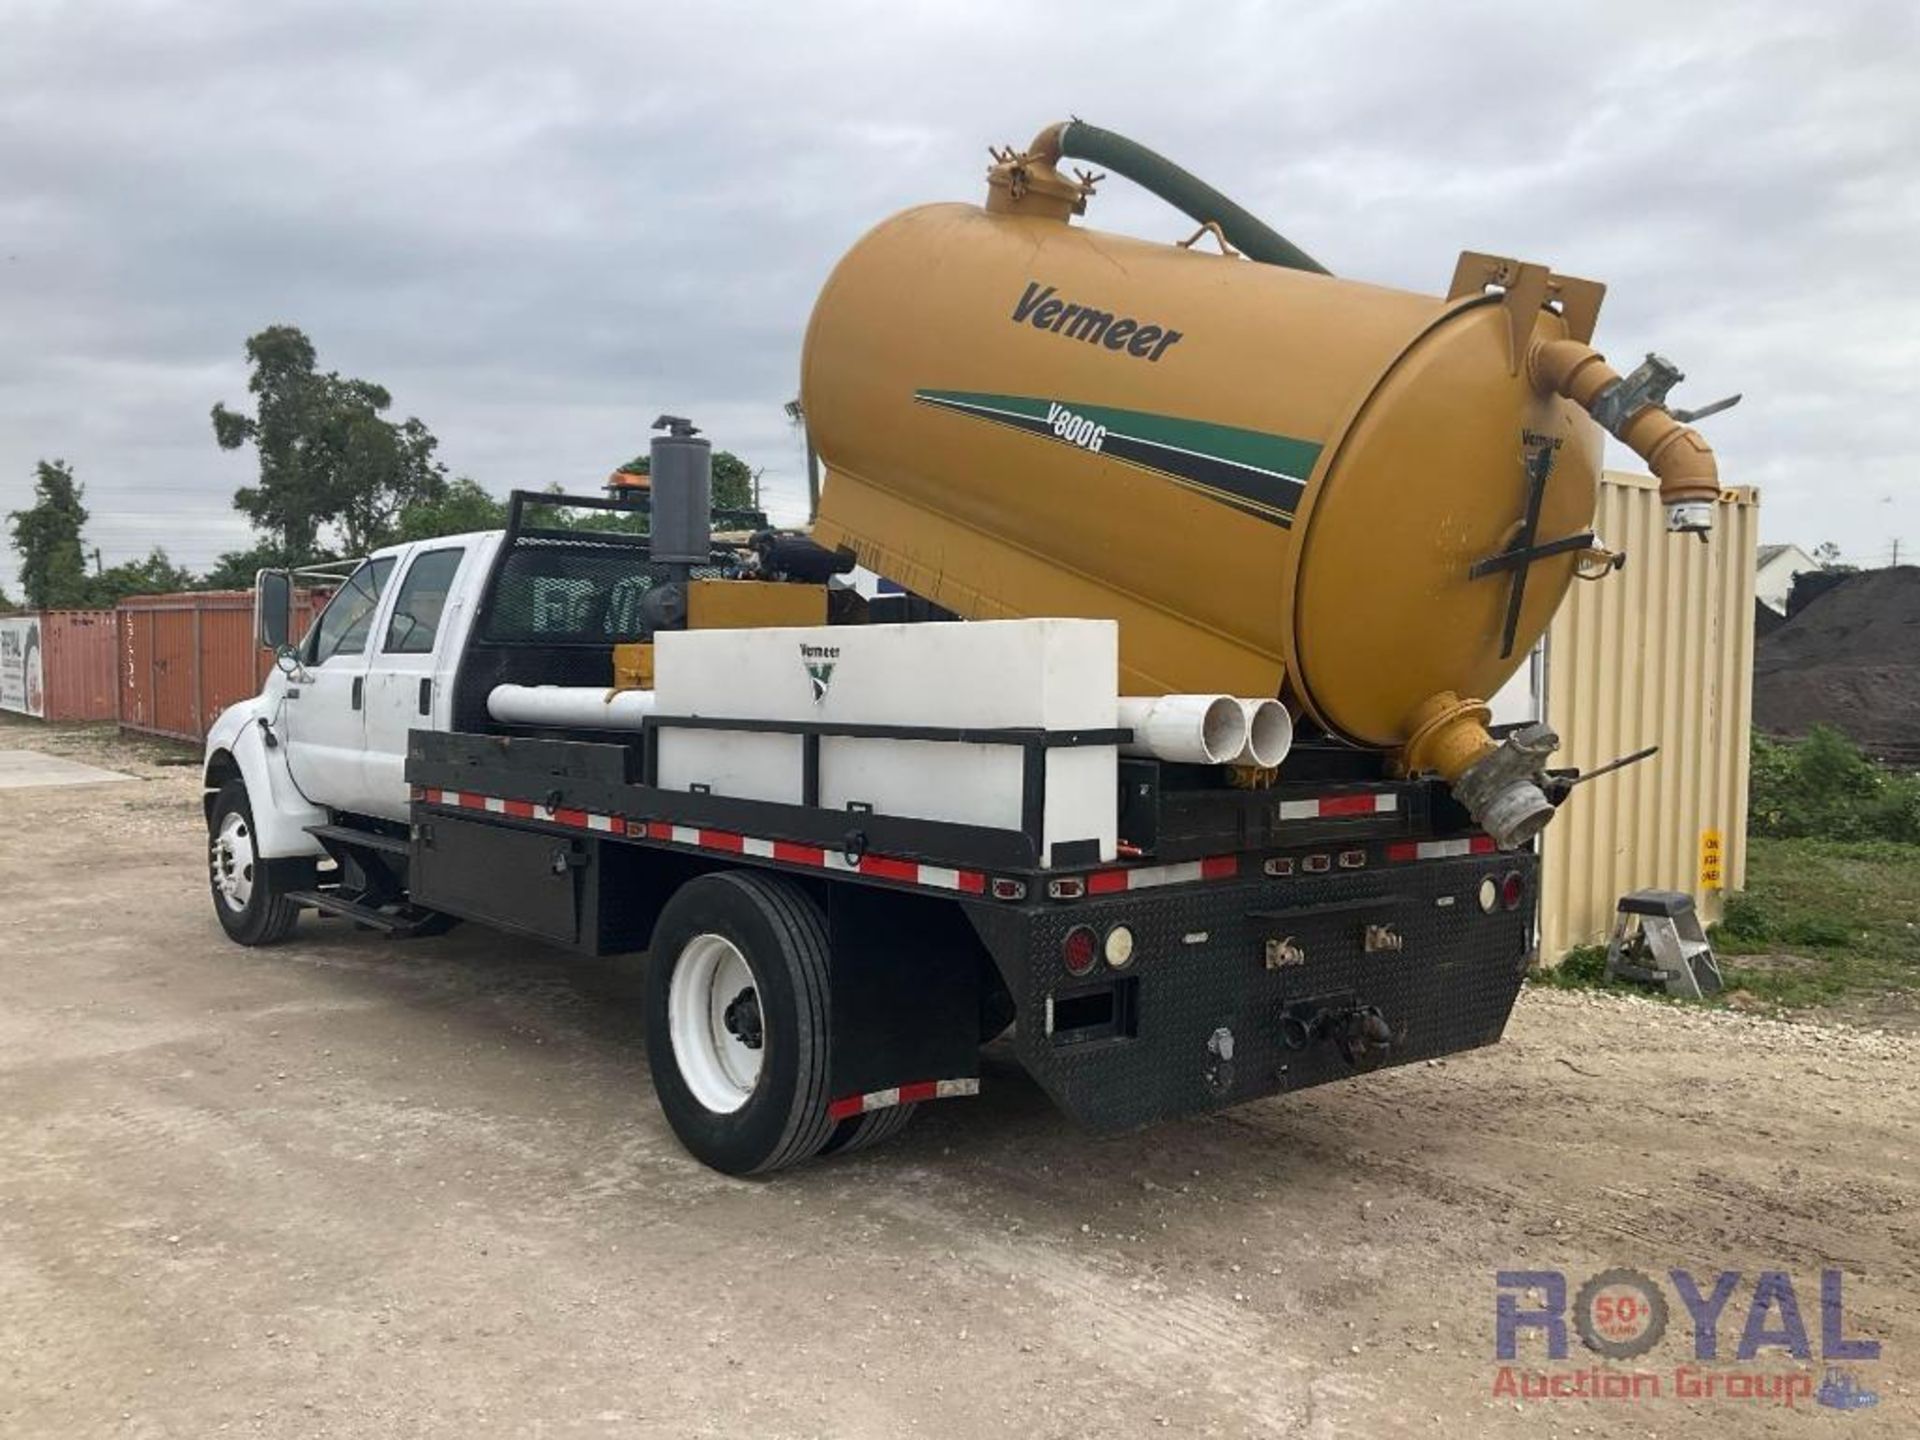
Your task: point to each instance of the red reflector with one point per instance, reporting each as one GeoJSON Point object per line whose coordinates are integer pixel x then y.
{"type": "Point", "coordinates": [1346, 805]}
{"type": "Point", "coordinates": [1080, 950]}
{"type": "Point", "coordinates": [1004, 889]}
{"type": "Point", "coordinates": [1513, 890]}
{"type": "Point", "coordinates": [1071, 887]}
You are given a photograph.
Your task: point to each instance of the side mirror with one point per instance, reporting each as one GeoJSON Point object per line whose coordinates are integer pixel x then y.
{"type": "Point", "coordinates": [272, 609]}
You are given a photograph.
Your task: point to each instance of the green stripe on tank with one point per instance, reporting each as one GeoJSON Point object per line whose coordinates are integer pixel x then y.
{"type": "Point", "coordinates": [1251, 470]}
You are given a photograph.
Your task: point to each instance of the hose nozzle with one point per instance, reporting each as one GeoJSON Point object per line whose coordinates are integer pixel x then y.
{"type": "Point", "coordinates": [1498, 781]}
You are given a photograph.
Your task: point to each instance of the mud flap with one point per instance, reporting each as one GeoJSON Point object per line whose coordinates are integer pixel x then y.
{"type": "Point", "coordinates": [906, 972]}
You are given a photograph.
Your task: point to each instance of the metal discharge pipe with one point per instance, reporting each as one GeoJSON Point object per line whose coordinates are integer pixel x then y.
{"type": "Point", "coordinates": [1154, 173]}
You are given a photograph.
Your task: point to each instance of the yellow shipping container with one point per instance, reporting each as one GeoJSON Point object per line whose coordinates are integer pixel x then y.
{"type": "Point", "coordinates": [1660, 652]}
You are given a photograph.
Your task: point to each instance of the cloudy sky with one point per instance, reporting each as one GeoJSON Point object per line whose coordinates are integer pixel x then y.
{"type": "Point", "coordinates": [540, 225]}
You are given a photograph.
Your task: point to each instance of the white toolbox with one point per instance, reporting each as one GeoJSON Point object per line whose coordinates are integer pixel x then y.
{"type": "Point", "coordinates": [1049, 674]}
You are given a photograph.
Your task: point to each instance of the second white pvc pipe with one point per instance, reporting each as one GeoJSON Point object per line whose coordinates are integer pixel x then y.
{"type": "Point", "coordinates": [1269, 733]}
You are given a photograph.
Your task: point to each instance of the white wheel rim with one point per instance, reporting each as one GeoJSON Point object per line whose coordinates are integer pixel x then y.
{"type": "Point", "coordinates": [714, 1022]}
{"type": "Point", "coordinates": [234, 861]}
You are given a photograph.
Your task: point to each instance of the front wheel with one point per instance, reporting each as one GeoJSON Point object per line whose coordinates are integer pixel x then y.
{"type": "Point", "coordinates": [737, 1021]}
{"type": "Point", "coordinates": [249, 893]}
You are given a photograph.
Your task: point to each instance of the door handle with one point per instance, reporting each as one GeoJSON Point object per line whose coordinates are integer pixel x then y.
{"type": "Point", "coordinates": [426, 697]}
{"type": "Point", "coordinates": [359, 690]}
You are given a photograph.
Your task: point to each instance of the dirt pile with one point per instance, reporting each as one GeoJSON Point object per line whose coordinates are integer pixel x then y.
{"type": "Point", "coordinates": [1850, 659]}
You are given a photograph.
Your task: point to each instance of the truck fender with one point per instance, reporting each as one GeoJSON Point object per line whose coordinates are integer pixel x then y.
{"type": "Point", "coordinates": [237, 745]}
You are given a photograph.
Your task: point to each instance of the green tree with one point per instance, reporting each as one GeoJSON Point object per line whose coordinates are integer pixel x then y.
{"type": "Point", "coordinates": [465, 506]}
{"type": "Point", "coordinates": [236, 568]}
{"type": "Point", "coordinates": [7, 607]}
{"type": "Point", "coordinates": [155, 575]}
{"type": "Point", "coordinates": [732, 479]}
{"type": "Point", "coordinates": [53, 568]}
{"type": "Point", "coordinates": [327, 454]}
{"type": "Point", "coordinates": [1827, 556]}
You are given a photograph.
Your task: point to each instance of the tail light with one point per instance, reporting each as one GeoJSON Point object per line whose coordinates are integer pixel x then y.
{"type": "Point", "coordinates": [1080, 951]}
{"type": "Point", "coordinates": [1513, 889]}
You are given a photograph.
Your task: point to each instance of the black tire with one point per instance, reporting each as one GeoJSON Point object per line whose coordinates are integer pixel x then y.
{"type": "Point", "coordinates": [781, 933]}
{"type": "Point", "coordinates": [268, 916]}
{"type": "Point", "coordinates": [861, 1131]}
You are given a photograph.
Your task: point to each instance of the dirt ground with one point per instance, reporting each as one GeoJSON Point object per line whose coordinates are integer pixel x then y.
{"type": "Point", "coordinates": [351, 1187]}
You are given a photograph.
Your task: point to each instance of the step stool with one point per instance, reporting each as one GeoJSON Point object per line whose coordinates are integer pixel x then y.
{"type": "Point", "coordinates": [1657, 939]}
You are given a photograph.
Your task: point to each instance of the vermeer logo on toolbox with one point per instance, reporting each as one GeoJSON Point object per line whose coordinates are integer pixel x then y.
{"type": "Point", "coordinates": [819, 660]}
{"type": "Point", "coordinates": [1040, 308]}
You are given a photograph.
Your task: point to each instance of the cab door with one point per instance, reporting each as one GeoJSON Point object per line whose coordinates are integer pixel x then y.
{"type": "Point", "coordinates": [324, 721]}
{"type": "Point", "coordinates": [410, 675]}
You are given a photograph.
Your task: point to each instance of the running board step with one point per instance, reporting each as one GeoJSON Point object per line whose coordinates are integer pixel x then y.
{"type": "Point", "coordinates": [365, 839]}
{"type": "Point", "coordinates": [401, 924]}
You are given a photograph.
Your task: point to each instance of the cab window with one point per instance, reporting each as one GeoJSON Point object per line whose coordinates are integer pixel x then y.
{"type": "Point", "coordinates": [423, 595]}
{"type": "Point", "coordinates": [348, 618]}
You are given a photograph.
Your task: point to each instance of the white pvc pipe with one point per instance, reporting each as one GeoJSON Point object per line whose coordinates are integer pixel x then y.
{"type": "Point", "coordinates": [1269, 733]}
{"type": "Point", "coordinates": [588, 706]}
{"type": "Point", "coordinates": [1188, 729]}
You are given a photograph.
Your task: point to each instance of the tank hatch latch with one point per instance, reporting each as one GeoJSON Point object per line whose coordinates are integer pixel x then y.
{"type": "Point", "coordinates": [1524, 550]}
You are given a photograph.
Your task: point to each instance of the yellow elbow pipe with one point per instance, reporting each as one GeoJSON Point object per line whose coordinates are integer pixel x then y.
{"type": "Point", "coordinates": [1677, 455]}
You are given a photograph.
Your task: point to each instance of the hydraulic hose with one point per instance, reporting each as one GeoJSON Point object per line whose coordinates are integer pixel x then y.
{"type": "Point", "coordinates": [1159, 176]}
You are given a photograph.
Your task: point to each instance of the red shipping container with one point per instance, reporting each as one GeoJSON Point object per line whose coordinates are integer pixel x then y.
{"type": "Point", "coordinates": [182, 659]}
{"type": "Point", "coordinates": [58, 664]}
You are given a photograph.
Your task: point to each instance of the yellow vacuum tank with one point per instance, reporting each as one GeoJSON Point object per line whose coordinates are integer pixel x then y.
{"type": "Point", "coordinates": [1278, 482]}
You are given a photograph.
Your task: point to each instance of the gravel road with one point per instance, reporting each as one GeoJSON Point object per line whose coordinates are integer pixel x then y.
{"type": "Point", "coordinates": [351, 1187]}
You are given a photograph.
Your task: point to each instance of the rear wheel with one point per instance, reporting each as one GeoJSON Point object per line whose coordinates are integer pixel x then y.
{"type": "Point", "coordinates": [249, 892]}
{"type": "Point", "coordinates": [737, 1021]}
{"type": "Point", "coordinates": [861, 1131]}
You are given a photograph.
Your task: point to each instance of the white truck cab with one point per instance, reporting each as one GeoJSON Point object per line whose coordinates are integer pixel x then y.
{"type": "Point", "coordinates": [327, 735]}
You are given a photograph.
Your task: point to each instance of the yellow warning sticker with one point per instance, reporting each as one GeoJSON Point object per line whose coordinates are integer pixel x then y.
{"type": "Point", "coordinates": [1712, 858]}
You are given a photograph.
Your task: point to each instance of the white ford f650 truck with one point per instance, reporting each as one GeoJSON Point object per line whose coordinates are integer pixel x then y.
{"type": "Point", "coordinates": [855, 849]}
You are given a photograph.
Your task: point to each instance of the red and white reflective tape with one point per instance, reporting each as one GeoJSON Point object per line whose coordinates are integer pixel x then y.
{"type": "Point", "coordinates": [878, 867]}
{"type": "Point", "coordinates": [1146, 877]}
{"type": "Point", "coordinates": [850, 1105]}
{"type": "Point", "coordinates": [521, 810]}
{"type": "Point", "coordinates": [1440, 849]}
{"type": "Point", "coordinates": [1330, 807]}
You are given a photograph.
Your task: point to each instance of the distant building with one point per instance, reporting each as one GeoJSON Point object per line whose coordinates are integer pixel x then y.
{"type": "Point", "coordinates": [1774, 569]}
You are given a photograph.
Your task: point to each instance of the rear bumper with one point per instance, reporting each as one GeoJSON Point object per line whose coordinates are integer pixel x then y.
{"type": "Point", "coordinates": [1242, 989]}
